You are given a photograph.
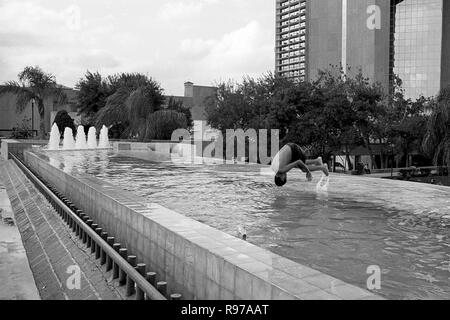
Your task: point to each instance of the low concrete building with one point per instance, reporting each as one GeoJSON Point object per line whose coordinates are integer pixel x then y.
{"type": "Point", "coordinates": [10, 117]}
{"type": "Point", "coordinates": [195, 98]}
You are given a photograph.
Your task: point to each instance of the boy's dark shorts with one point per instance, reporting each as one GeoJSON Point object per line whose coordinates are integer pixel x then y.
{"type": "Point", "coordinates": [297, 152]}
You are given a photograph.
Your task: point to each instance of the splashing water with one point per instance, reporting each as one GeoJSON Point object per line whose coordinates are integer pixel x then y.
{"type": "Point", "coordinates": [242, 232]}
{"type": "Point", "coordinates": [54, 138]}
{"type": "Point", "coordinates": [80, 141]}
{"type": "Point", "coordinates": [69, 142]}
{"type": "Point", "coordinates": [92, 138]}
{"type": "Point", "coordinates": [104, 140]}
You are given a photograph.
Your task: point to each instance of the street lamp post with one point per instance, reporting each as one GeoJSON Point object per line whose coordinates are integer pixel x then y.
{"type": "Point", "coordinates": [392, 160]}
{"type": "Point", "coordinates": [32, 117]}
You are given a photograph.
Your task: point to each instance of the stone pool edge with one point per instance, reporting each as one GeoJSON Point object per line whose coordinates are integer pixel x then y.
{"type": "Point", "coordinates": [195, 259]}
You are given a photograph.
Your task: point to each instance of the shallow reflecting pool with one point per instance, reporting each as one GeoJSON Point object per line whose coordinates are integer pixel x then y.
{"type": "Point", "coordinates": [339, 225]}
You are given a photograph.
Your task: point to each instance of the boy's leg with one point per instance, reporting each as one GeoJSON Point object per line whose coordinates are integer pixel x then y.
{"type": "Point", "coordinates": [323, 168]}
{"type": "Point", "coordinates": [313, 168]}
{"type": "Point", "coordinates": [315, 162]}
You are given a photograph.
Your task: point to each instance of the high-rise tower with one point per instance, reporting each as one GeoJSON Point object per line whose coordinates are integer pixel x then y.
{"type": "Point", "coordinates": [291, 39]}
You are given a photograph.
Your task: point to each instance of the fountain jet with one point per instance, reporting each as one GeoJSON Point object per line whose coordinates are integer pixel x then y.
{"type": "Point", "coordinates": [80, 141]}
{"type": "Point", "coordinates": [55, 138]}
{"type": "Point", "coordinates": [104, 140]}
{"type": "Point", "coordinates": [69, 142]}
{"type": "Point", "coordinates": [92, 138]}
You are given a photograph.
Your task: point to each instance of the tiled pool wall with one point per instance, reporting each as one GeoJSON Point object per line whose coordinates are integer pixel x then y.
{"type": "Point", "coordinates": [196, 260]}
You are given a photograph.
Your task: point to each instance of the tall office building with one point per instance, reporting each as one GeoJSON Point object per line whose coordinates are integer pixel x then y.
{"type": "Point", "coordinates": [419, 48]}
{"type": "Point", "coordinates": [291, 39]}
{"type": "Point", "coordinates": [408, 38]}
{"type": "Point", "coordinates": [352, 33]}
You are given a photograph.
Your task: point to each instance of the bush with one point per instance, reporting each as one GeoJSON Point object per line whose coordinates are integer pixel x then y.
{"type": "Point", "coordinates": [442, 171]}
{"type": "Point", "coordinates": [23, 132]}
{"type": "Point", "coordinates": [63, 120]}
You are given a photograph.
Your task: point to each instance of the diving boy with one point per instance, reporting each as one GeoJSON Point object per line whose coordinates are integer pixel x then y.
{"type": "Point", "coordinates": [292, 156]}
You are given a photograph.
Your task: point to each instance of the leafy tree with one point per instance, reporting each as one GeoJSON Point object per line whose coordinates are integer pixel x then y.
{"type": "Point", "coordinates": [92, 93]}
{"type": "Point", "coordinates": [437, 138]}
{"type": "Point", "coordinates": [404, 122]}
{"type": "Point", "coordinates": [225, 110]}
{"type": "Point", "coordinates": [327, 117]}
{"type": "Point", "coordinates": [177, 105]}
{"type": "Point", "coordinates": [278, 103]}
{"type": "Point", "coordinates": [161, 124]}
{"type": "Point", "coordinates": [367, 104]}
{"type": "Point", "coordinates": [35, 84]}
{"type": "Point", "coordinates": [135, 97]}
{"type": "Point", "coordinates": [263, 103]}
{"type": "Point", "coordinates": [63, 120]}
{"type": "Point", "coordinates": [141, 104]}
{"type": "Point", "coordinates": [332, 113]}
{"type": "Point", "coordinates": [407, 132]}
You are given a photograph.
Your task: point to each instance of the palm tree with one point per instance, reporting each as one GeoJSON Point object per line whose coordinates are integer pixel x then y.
{"type": "Point", "coordinates": [35, 84]}
{"type": "Point", "coordinates": [437, 139]}
{"type": "Point", "coordinates": [135, 98]}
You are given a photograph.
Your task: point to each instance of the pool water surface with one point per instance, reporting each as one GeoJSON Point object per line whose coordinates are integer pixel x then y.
{"type": "Point", "coordinates": [339, 225]}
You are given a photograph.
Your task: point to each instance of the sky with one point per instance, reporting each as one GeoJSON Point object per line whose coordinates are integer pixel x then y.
{"type": "Point", "coordinates": [172, 41]}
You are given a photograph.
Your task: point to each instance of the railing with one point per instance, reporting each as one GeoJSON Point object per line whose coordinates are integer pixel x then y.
{"type": "Point", "coordinates": [11, 130]}
{"type": "Point", "coordinates": [428, 169]}
{"type": "Point", "coordinates": [123, 266]}
{"type": "Point", "coordinates": [391, 171]}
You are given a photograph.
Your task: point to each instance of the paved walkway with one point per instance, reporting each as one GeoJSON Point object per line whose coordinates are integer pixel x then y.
{"type": "Point", "coordinates": [53, 252]}
{"type": "Point", "coordinates": [17, 282]}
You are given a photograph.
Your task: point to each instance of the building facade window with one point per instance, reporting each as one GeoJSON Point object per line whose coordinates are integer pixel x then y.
{"type": "Point", "coordinates": [416, 45]}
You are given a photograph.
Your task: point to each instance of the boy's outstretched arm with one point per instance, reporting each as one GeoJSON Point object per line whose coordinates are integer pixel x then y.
{"type": "Point", "coordinates": [305, 169]}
